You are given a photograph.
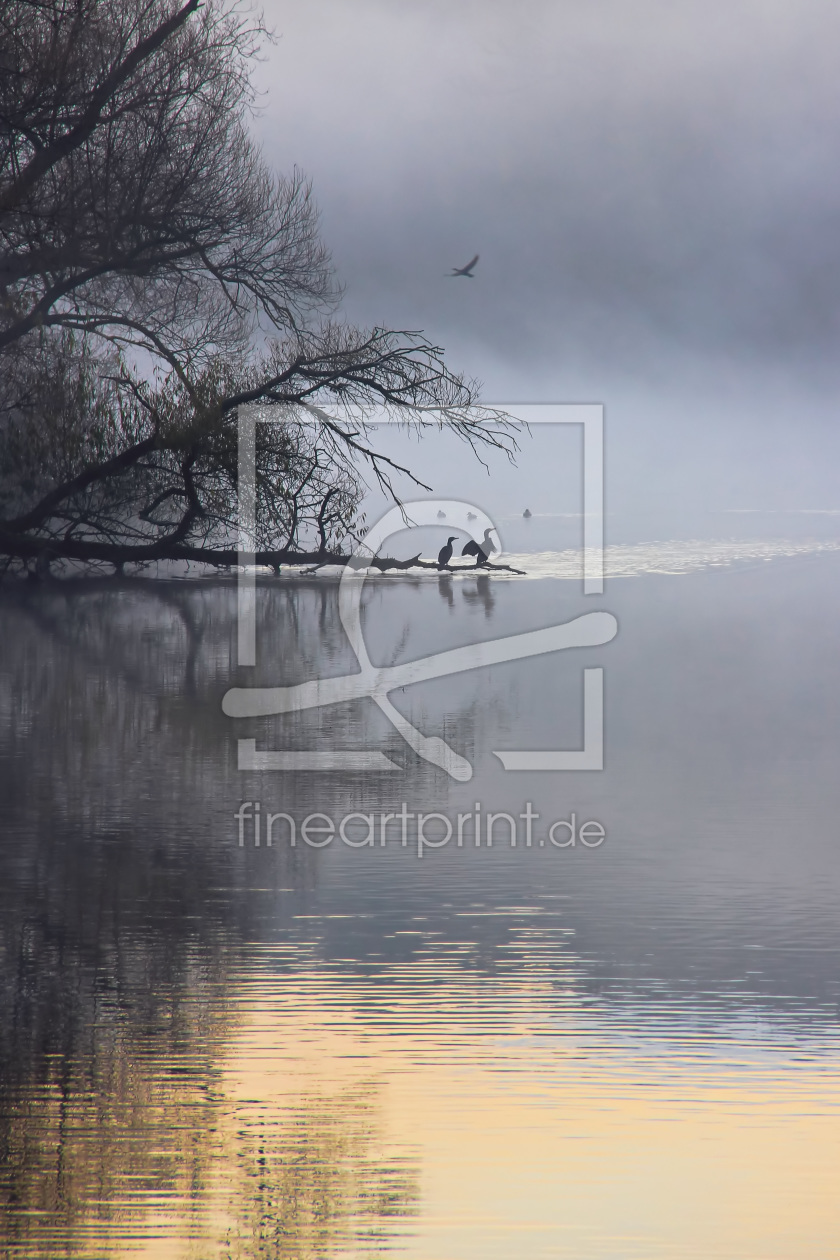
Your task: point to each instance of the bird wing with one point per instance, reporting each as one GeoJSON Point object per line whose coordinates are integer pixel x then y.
{"type": "Point", "coordinates": [464, 271]}
{"type": "Point", "coordinates": [470, 548]}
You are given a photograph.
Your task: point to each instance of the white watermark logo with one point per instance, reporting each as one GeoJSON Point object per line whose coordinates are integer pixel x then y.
{"type": "Point", "coordinates": [478, 828]}
{"type": "Point", "coordinates": [377, 683]}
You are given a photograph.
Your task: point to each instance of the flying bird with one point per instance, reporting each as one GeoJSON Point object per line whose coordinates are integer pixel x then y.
{"type": "Point", "coordinates": [480, 550]}
{"type": "Point", "coordinates": [465, 271]}
{"type": "Point", "coordinates": [445, 553]}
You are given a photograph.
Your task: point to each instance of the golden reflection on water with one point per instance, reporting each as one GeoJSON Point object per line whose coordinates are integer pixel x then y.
{"type": "Point", "coordinates": [516, 1143]}
{"type": "Point", "coordinates": [573, 1146]}
{"type": "Point", "coordinates": [334, 1116]}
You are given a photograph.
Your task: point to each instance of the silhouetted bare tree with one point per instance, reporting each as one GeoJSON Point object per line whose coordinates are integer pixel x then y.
{"type": "Point", "coordinates": [154, 277]}
{"type": "Point", "coordinates": [134, 203]}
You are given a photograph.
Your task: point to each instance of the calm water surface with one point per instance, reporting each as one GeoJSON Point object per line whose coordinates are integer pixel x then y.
{"type": "Point", "coordinates": [212, 1051]}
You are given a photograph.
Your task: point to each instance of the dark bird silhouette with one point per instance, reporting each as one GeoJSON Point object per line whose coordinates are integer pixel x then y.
{"type": "Point", "coordinates": [480, 550]}
{"type": "Point", "coordinates": [445, 553]}
{"type": "Point", "coordinates": [527, 513]}
{"type": "Point", "coordinates": [465, 271]}
{"type": "Point", "coordinates": [471, 516]}
{"type": "Point", "coordinates": [441, 516]}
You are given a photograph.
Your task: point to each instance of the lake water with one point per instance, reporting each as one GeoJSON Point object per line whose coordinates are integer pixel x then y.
{"type": "Point", "coordinates": [213, 1050]}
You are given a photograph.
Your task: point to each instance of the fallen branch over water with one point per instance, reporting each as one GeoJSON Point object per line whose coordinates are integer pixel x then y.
{"type": "Point", "coordinates": [44, 552]}
{"type": "Point", "coordinates": [386, 563]}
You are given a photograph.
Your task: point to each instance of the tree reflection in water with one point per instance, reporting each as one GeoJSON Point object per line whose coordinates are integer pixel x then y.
{"type": "Point", "coordinates": [314, 1186]}
{"type": "Point", "coordinates": [124, 917]}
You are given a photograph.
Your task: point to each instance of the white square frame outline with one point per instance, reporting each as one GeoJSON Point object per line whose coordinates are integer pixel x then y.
{"type": "Point", "coordinates": [591, 417]}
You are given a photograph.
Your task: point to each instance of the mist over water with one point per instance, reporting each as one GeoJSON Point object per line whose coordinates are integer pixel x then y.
{"type": "Point", "coordinates": [214, 1049]}
{"type": "Point", "coordinates": [293, 1051]}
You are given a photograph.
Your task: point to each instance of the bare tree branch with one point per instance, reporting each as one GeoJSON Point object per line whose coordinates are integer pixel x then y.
{"type": "Point", "coordinates": [146, 250]}
{"type": "Point", "coordinates": [43, 159]}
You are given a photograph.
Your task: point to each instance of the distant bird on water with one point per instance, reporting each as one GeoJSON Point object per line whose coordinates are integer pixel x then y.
{"type": "Point", "coordinates": [445, 553]}
{"type": "Point", "coordinates": [527, 513]}
{"type": "Point", "coordinates": [465, 271]}
{"type": "Point", "coordinates": [480, 550]}
{"type": "Point", "coordinates": [441, 516]}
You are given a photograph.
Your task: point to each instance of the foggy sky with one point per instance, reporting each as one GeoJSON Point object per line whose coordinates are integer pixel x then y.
{"type": "Point", "coordinates": [653, 188]}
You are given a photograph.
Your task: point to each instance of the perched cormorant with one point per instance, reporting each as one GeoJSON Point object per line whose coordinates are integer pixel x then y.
{"type": "Point", "coordinates": [445, 553]}
{"type": "Point", "coordinates": [480, 550]}
{"type": "Point", "coordinates": [527, 513]}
